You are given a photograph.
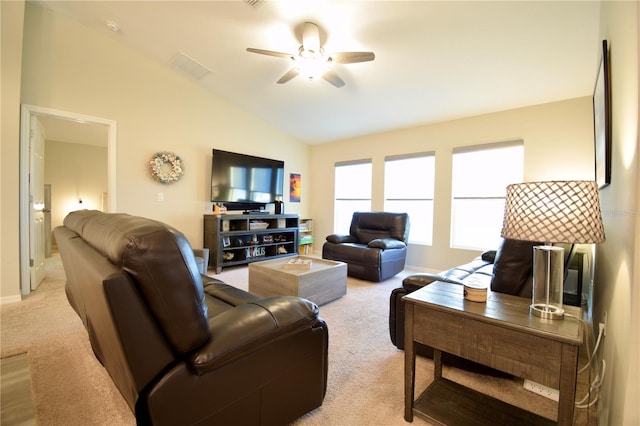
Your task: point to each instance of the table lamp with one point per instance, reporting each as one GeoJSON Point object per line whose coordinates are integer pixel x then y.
{"type": "Point", "coordinates": [553, 212]}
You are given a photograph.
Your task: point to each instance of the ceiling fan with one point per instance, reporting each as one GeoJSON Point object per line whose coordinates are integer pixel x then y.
{"type": "Point", "coordinates": [311, 60]}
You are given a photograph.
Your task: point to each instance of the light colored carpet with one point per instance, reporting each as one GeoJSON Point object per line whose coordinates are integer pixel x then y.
{"type": "Point", "coordinates": [44, 314]}
{"type": "Point", "coordinates": [365, 384]}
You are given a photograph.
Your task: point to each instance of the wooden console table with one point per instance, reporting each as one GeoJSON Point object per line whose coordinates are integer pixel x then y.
{"type": "Point", "coordinates": [500, 334]}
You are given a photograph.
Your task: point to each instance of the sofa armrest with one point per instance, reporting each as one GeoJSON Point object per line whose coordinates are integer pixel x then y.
{"type": "Point", "coordinates": [247, 328]}
{"type": "Point", "coordinates": [417, 281]}
{"type": "Point", "coordinates": [386, 243]}
{"type": "Point", "coordinates": [339, 239]}
{"type": "Point", "coordinates": [202, 259]}
{"type": "Point", "coordinates": [489, 256]}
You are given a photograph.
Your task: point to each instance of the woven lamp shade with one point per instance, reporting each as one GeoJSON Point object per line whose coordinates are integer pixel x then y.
{"type": "Point", "coordinates": [554, 212]}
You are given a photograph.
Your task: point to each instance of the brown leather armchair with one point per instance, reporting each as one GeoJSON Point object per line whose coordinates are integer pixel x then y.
{"type": "Point", "coordinates": [181, 347]}
{"type": "Point", "coordinates": [376, 247]}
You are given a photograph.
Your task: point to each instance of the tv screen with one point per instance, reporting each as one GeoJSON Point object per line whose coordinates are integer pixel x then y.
{"type": "Point", "coordinates": [241, 181]}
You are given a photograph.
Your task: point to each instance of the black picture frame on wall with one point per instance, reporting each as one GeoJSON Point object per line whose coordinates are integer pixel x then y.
{"type": "Point", "coordinates": [602, 121]}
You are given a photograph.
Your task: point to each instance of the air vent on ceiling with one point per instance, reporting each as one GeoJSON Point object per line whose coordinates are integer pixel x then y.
{"type": "Point", "coordinates": [253, 3]}
{"type": "Point", "coordinates": [189, 65]}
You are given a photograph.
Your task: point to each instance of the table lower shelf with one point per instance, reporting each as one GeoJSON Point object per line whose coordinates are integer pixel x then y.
{"type": "Point", "coordinates": [450, 403]}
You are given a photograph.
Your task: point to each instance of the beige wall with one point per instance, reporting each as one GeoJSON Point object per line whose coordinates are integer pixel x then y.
{"type": "Point", "coordinates": [67, 67]}
{"type": "Point", "coordinates": [74, 172]}
{"type": "Point", "coordinates": [617, 277]}
{"type": "Point", "coordinates": [71, 68]}
{"type": "Point", "coordinates": [11, 18]}
{"type": "Point", "coordinates": [558, 139]}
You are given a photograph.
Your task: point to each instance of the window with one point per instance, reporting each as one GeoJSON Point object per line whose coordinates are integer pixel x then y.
{"type": "Point", "coordinates": [408, 188]}
{"type": "Point", "coordinates": [352, 192]}
{"type": "Point", "coordinates": [479, 180]}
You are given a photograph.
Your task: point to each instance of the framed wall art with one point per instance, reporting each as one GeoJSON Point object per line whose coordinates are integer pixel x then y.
{"type": "Point", "coordinates": [602, 121]}
{"type": "Point", "coordinates": [294, 187]}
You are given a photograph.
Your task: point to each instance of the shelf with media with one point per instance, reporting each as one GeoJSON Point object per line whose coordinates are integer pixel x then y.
{"type": "Point", "coordinates": [306, 236]}
{"type": "Point", "coordinates": [235, 239]}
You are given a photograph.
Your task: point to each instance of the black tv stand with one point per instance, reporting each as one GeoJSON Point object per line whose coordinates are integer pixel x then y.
{"type": "Point", "coordinates": [236, 239]}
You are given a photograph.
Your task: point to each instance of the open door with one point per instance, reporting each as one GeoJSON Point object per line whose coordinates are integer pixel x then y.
{"type": "Point", "coordinates": [32, 193]}
{"type": "Point", "coordinates": [36, 203]}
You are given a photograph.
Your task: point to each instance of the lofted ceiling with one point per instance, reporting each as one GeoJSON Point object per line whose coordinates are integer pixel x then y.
{"type": "Point", "coordinates": [434, 60]}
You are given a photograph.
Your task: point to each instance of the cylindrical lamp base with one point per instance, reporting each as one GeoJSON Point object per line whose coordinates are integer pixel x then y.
{"type": "Point", "coordinates": [547, 311]}
{"type": "Point", "coordinates": [548, 277]}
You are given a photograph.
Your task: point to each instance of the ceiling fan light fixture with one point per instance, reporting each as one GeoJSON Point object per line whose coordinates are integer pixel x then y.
{"type": "Point", "coordinates": [311, 61]}
{"type": "Point", "coordinates": [311, 54]}
{"type": "Point", "coordinates": [311, 68]}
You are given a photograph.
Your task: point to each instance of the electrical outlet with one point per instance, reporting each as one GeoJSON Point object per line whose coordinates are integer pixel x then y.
{"type": "Point", "coordinates": [603, 324]}
{"type": "Point", "coordinates": [543, 390]}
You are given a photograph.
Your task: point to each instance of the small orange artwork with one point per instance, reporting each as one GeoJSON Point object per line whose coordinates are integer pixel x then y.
{"type": "Point", "coordinates": [294, 187]}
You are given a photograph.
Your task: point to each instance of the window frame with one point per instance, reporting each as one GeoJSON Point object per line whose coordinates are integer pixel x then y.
{"type": "Point", "coordinates": [426, 237]}
{"type": "Point", "coordinates": [486, 199]}
{"type": "Point", "coordinates": [339, 214]}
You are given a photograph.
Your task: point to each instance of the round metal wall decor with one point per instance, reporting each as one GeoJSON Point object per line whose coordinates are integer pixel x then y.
{"type": "Point", "coordinates": [166, 167]}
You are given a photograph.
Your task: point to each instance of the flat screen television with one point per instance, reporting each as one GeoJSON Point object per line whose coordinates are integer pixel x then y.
{"type": "Point", "coordinates": [245, 182]}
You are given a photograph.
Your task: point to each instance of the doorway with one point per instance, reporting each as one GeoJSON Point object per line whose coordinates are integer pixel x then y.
{"type": "Point", "coordinates": [57, 121]}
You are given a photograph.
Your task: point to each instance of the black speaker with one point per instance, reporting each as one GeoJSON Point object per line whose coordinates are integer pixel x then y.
{"type": "Point", "coordinates": [279, 207]}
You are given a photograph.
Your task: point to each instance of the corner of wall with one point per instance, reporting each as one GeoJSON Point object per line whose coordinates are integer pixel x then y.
{"type": "Point", "coordinates": [12, 22]}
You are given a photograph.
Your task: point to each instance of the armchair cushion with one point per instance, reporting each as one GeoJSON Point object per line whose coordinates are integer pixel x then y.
{"type": "Point", "coordinates": [367, 226]}
{"type": "Point", "coordinates": [248, 327]}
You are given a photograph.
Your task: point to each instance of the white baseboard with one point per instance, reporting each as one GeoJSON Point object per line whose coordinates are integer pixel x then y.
{"type": "Point", "coordinates": [418, 269]}
{"type": "Point", "coordinates": [10, 299]}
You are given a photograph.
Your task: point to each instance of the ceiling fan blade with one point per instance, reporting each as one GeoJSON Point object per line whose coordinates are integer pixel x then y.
{"type": "Point", "coordinates": [332, 77]}
{"type": "Point", "coordinates": [311, 37]}
{"type": "Point", "coordinates": [270, 53]}
{"type": "Point", "coordinates": [293, 72]}
{"type": "Point", "coordinates": [352, 57]}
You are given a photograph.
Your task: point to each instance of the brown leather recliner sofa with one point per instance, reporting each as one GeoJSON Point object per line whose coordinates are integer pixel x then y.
{"type": "Point", "coordinates": [184, 348]}
{"type": "Point", "coordinates": [376, 247]}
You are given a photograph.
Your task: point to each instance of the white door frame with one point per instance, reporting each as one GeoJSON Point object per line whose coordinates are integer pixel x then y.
{"type": "Point", "coordinates": [27, 112]}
